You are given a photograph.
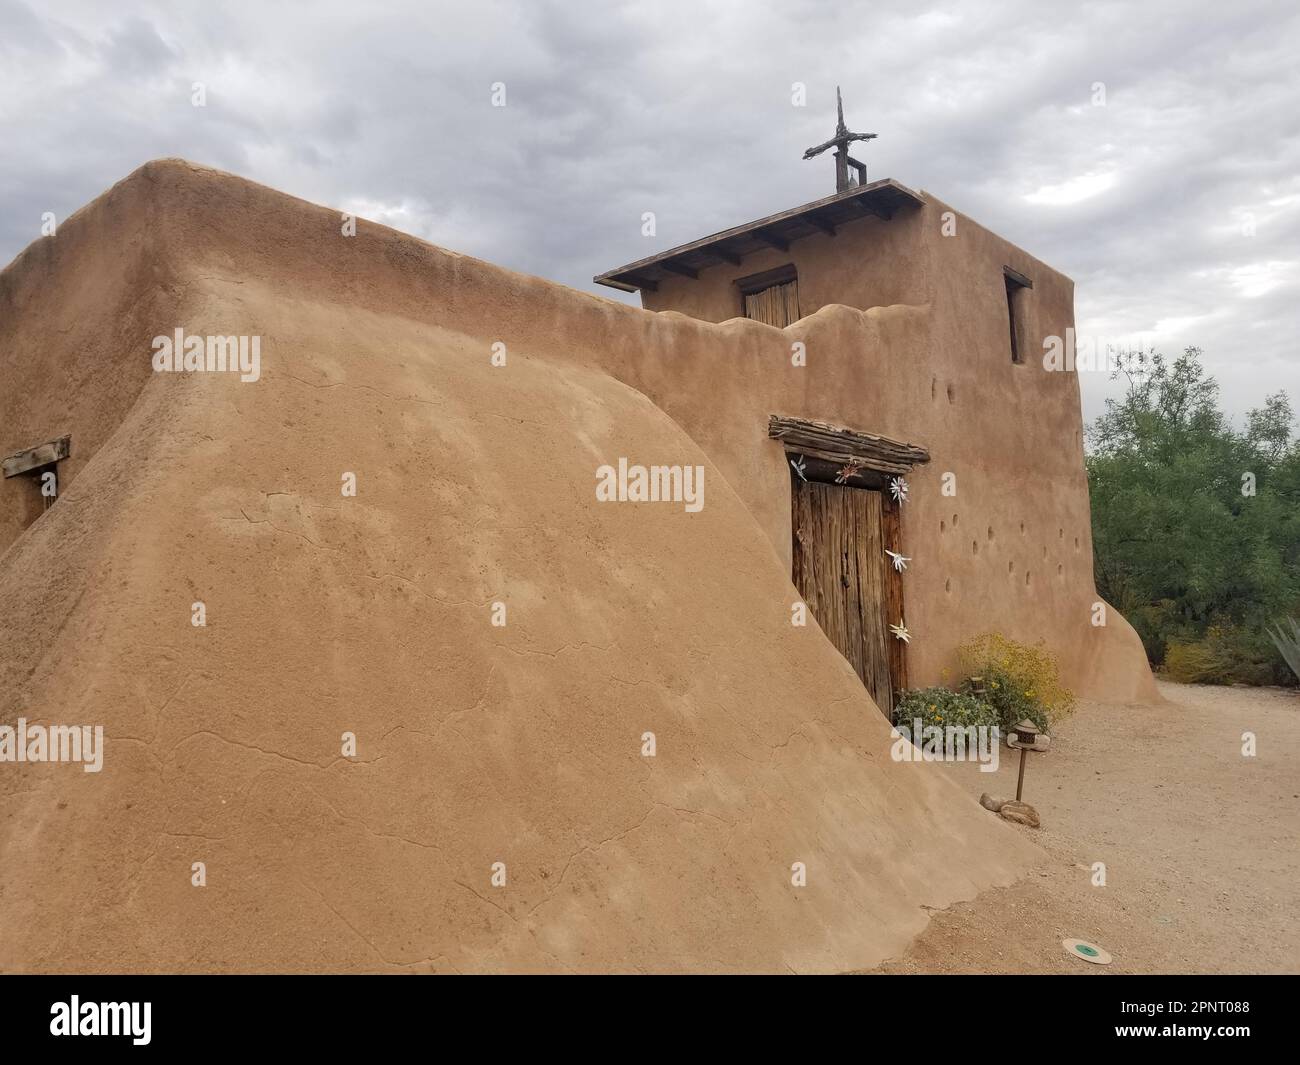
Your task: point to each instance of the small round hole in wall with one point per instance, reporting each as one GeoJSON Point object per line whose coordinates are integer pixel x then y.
{"type": "Point", "coordinates": [974, 547]}
{"type": "Point", "coordinates": [1011, 567]}
{"type": "Point", "coordinates": [947, 585]}
{"type": "Point", "coordinates": [1026, 578]}
{"type": "Point", "coordinates": [990, 532]}
{"type": "Point", "coordinates": [954, 521]}
{"type": "Point", "coordinates": [943, 525]}
{"type": "Point", "coordinates": [952, 394]}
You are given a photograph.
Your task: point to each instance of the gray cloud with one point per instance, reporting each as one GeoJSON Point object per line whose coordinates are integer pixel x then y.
{"type": "Point", "coordinates": [1189, 235]}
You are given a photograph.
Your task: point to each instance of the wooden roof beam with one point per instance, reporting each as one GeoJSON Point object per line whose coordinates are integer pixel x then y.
{"type": "Point", "coordinates": [678, 268]}
{"type": "Point", "coordinates": [772, 239]}
{"type": "Point", "coordinates": [739, 237]}
{"type": "Point", "coordinates": [823, 223]}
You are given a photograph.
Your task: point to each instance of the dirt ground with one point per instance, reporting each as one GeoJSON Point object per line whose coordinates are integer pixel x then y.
{"type": "Point", "coordinates": [1201, 845]}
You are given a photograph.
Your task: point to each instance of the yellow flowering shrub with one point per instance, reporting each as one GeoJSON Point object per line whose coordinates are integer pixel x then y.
{"type": "Point", "coordinates": [1021, 680]}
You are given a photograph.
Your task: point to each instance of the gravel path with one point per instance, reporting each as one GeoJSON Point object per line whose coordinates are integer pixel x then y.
{"type": "Point", "coordinates": [1201, 845]}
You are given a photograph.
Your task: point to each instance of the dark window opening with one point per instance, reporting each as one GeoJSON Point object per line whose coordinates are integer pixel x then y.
{"type": "Point", "coordinates": [37, 491]}
{"type": "Point", "coordinates": [772, 296]}
{"type": "Point", "coordinates": [37, 469]}
{"type": "Point", "coordinates": [46, 479]}
{"type": "Point", "coordinates": [1018, 287]}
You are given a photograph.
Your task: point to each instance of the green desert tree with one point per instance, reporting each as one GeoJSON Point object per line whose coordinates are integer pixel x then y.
{"type": "Point", "coordinates": [1196, 525]}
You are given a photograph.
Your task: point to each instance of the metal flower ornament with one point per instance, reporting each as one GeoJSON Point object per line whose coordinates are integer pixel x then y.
{"type": "Point", "coordinates": [900, 631]}
{"type": "Point", "coordinates": [898, 489]}
{"type": "Point", "coordinates": [900, 561]}
{"type": "Point", "coordinates": [850, 469]}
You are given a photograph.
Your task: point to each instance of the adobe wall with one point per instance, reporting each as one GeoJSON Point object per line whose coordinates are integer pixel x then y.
{"type": "Point", "coordinates": [1018, 533]}
{"type": "Point", "coordinates": [914, 373]}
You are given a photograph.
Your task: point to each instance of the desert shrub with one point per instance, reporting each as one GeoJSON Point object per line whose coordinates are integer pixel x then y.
{"type": "Point", "coordinates": [1017, 680]}
{"type": "Point", "coordinates": [1154, 623]}
{"type": "Point", "coordinates": [1225, 654]}
{"type": "Point", "coordinates": [1193, 663]}
{"type": "Point", "coordinates": [939, 706]}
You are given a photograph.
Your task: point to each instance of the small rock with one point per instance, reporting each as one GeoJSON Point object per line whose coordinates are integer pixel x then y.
{"type": "Point", "coordinates": [990, 803]}
{"type": "Point", "coordinates": [1021, 813]}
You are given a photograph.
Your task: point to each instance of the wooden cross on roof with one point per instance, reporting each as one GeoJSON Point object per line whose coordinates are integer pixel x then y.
{"type": "Point", "coordinates": [840, 142]}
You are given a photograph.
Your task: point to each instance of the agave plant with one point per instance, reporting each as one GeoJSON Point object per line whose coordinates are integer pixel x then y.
{"type": "Point", "coordinates": [1288, 643]}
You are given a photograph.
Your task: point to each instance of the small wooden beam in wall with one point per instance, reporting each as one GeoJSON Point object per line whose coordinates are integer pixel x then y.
{"type": "Point", "coordinates": [837, 444]}
{"type": "Point", "coordinates": [33, 457]}
{"type": "Point", "coordinates": [1017, 277]}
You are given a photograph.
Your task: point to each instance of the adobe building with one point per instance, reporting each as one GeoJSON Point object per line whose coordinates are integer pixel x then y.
{"type": "Point", "coordinates": [888, 355]}
{"type": "Point", "coordinates": [940, 436]}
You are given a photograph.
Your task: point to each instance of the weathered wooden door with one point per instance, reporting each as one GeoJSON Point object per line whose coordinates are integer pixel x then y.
{"type": "Point", "coordinates": [845, 577]}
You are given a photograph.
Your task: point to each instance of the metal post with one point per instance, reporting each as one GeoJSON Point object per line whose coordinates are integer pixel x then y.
{"type": "Point", "coordinates": [1020, 781]}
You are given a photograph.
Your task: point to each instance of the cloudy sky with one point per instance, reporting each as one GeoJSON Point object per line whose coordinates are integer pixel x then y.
{"type": "Point", "coordinates": [1150, 150]}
